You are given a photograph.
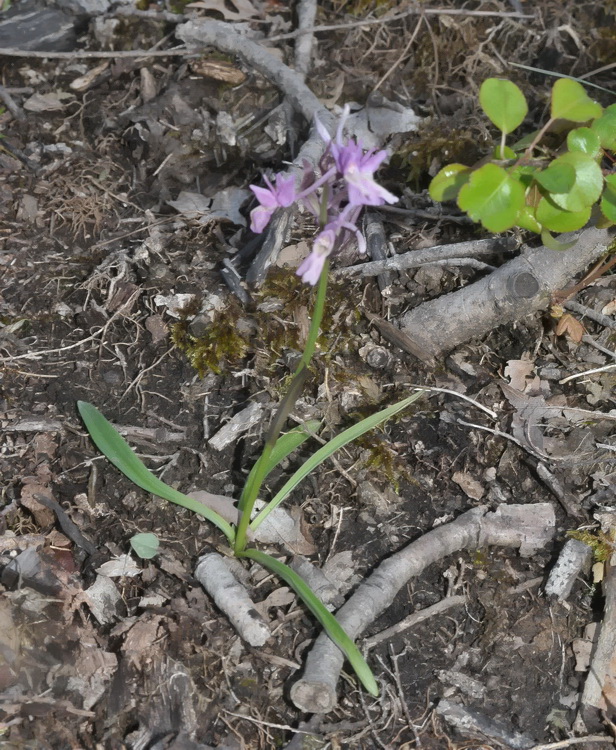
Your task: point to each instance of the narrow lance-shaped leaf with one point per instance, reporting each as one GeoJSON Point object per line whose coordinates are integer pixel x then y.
{"type": "Point", "coordinates": [331, 626]}
{"type": "Point", "coordinates": [118, 451]}
{"type": "Point", "coordinates": [345, 437]}
{"type": "Point", "coordinates": [287, 443]}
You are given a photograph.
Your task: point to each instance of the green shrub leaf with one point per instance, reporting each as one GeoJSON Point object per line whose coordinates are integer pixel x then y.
{"type": "Point", "coordinates": [585, 140]}
{"type": "Point", "coordinates": [553, 244]}
{"type": "Point", "coordinates": [492, 197]}
{"type": "Point", "coordinates": [526, 219]}
{"type": "Point", "coordinates": [145, 545]}
{"type": "Point", "coordinates": [503, 102]}
{"type": "Point", "coordinates": [553, 217]}
{"type": "Point", "coordinates": [557, 178]}
{"type": "Point", "coordinates": [608, 201]}
{"type": "Point", "coordinates": [447, 183]}
{"type": "Point", "coordinates": [605, 128]}
{"type": "Point", "coordinates": [571, 102]}
{"type": "Point", "coordinates": [500, 154]}
{"type": "Point", "coordinates": [588, 182]}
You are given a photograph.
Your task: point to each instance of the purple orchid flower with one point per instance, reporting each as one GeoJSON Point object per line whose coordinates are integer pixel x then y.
{"type": "Point", "coordinates": [335, 198]}
{"type": "Point", "coordinates": [281, 195]}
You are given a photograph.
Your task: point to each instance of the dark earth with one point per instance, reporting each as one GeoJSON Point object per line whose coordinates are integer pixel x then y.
{"type": "Point", "coordinates": [92, 258]}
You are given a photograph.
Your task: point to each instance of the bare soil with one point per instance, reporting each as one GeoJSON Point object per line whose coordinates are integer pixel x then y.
{"type": "Point", "coordinates": [91, 258]}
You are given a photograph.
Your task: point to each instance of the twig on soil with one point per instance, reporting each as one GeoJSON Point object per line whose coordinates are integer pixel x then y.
{"type": "Point", "coordinates": [599, 692]}
{"type": "Point", "coordinates": [574, 741]}
{"type": "Point", "coordinates": [390, 19]}
{"type": "Point", "coordinates": [469, 720]}
{"type": "Point", "coordinates": [415, 619]}
{"type": "Point", "coordinates": [232, 598]}
{"type": "Point", "coordinates": [225, 38]}
{"type": "Point", "coordinates": [68, 527]}
{"type": "Point", "coordinates": [518, 288]}
{"type": "Point", "coordinates": [432, 389]}
{"type": "Point", "coordinates": [11, 104]}
{"type": "Point", "coordinates": [99, 332]}
{"type": "Point", "coordinates": [574, 557]}
{"type": "Point", "coordinates": [376, 246]}
{"type": "Point", "coordinates": [586, 339]}
{"type": "Point", "coordinates": [528, 527]}
{"type": "Point", "coordinates": [306, 15]}
{"type": "Point", "coordinates": [587, 372]}
{"type": "Point", "coordinates": [587, 312]}
{"type": "Point", "coordinates": [84, 54]}
{"type": "Point", "coordinates": [425, 256]}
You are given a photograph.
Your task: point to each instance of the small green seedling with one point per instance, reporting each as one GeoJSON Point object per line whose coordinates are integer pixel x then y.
{"type": "Point", "coordinates": [145, 545]}
{"type": "Point", "coordinates": [532, 185]}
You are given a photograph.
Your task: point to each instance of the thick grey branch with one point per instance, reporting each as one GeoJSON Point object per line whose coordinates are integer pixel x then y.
{"type": "Point", "coordinates": [518, 288]}
{"type": "Point", "coordinates": [528, 527]}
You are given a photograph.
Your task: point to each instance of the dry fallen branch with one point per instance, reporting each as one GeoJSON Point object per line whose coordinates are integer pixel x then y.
{"type": "Point", "coordinates": [225, 38]}
{"type": "Point", "coordinates": [232, 598]}
{"type": "Point", "coordinates": [518, 288]}
{"type": "Point", "coordinates": [527, 527]}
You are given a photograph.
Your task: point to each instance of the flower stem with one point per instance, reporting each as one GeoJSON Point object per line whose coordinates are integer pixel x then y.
{"type": "Point", "coordinates": [252, 488]}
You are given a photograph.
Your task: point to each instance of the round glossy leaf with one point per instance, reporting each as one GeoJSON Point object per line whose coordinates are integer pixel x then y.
{"type": "Point", "coordinates": [526, 219]}
{"type": "Point", "coordinates": [588, 182]}
{"type": "Point", "coordinates": [503, 102]}
{"type": "Point", "coordinates": [585, 140]}
{"type": "Point", "coordinates": [553, 217]}
{"type": "Point", "coordinates": [500, 154]}
{"type": "Point", "coordinates": [524, 173]}
{"type": "Point", "coordinates": [492, 197]}
{"type": "Point", "coordinates": [447, 183]}
{"type": "Point", "coordinates": [571, 102]}
{"type": "Point", "coordinates": [608, 202]}
{"type": "Point", "coordinates": [557, 178]}
{"type": "Point", "coordinates": [145, 545]}
{"type": "Point", "coordinates": [605, 128]}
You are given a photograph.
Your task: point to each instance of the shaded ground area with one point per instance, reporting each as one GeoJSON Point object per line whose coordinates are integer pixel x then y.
{"type": "Point", "coordinates": [112, 293]}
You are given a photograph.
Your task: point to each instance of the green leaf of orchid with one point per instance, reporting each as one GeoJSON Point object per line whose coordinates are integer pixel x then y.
{"type": "Point", "coordinates": [492, 197]}
{"type": "Point", "coordinates": [571, 102]}
{"type": "Point", "coordinates": [109, 441]}
{"type": "Point", "coordinates": [331, 626]}
{"type": "Point", "coordinates": [346, 436]}
{"type": "Point", "coordinates": [503, 102]}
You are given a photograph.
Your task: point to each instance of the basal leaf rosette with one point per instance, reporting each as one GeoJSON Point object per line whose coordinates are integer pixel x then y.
{"type": "Point", "coordinates": [571, 102]}
{"type": "Point", "coordinates": [447, 183]}
{"type": "Point", "coordinates": [504, 103]}
{"type": "Point", "coordinates": [608, 201]}
{"type": "Point", "coordinates": [492, 197]}
{"type": "Point", "coordinates": [588, 184]}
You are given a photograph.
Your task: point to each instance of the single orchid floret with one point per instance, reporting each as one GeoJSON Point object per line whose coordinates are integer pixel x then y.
{"type": "Point", "coordinates": [358, 171]}
{"type": "Point", "coordinates": [282, 195]}
{"type": "Point", "coordinates": [356, 167]}
{"type": "Point", "coordinates": [312, 266]}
